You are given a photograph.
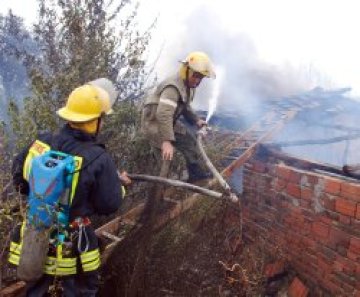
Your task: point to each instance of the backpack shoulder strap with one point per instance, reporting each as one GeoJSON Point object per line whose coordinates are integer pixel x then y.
{"type": "Point", "coordinates": [78, 150]}
{"type": "Point", "coordinates": [85, 146]}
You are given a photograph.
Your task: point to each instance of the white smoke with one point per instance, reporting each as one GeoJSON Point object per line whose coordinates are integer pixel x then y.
{"type": "Point", "coordinates": [247, 80]}
{"type": "Point", "coordinates": [305, 54]}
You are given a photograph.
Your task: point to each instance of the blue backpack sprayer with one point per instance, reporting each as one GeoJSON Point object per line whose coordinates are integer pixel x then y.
{"type": "Point", "coordinates": [50, 182]}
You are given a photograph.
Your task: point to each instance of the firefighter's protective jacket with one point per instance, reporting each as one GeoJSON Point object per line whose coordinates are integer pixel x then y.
{"type": "Point", "coordinates": [163, 108]}
{"type": "Point", "coordinates": [96, 190]}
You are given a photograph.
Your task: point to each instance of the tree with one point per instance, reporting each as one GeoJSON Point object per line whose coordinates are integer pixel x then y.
{"type": "Point", "coordinates": [80, 41]}
{"type": "Point", "coordinates": [76, 41]}
{"type": "Point", "coordinates": [15, 43]}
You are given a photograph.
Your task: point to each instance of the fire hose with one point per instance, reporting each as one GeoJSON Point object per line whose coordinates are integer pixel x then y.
{"type": "Point", "coordinates": [176, 183]}
{"type": "Point", "coordinates": [200, 135]}
{"type": "Point", "coordinates": [228, 193]}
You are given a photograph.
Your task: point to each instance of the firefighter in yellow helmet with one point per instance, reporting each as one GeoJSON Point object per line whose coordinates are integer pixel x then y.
{"type": "Point", "coordinates": [82, 107]}
{"type": "Point", "coordinates": [95, 189]}
{"type": "Point", "coordinates": [171, 100]}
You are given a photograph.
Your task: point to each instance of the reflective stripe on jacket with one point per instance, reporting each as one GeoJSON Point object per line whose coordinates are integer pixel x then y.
{"type": "Point", "coordinates": [61, 261]}
{"type": "Point", "coordinates": [96, 189]}
{"type": "Point", "coordinates": [162, 109]}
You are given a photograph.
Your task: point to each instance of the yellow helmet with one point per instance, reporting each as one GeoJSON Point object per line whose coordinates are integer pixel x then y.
{"type": "Point", "coordinates": [83, 104]}
{"type": "Point", "coordinates": [197, 62]}
{"type": "Point", "coordinates": [107, 93]}
{"type": "Point", "coordinates": [105, 100]}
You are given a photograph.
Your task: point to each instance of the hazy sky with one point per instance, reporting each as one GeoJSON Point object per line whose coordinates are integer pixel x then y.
{"type": "Point", "coordinates": [316, 37]}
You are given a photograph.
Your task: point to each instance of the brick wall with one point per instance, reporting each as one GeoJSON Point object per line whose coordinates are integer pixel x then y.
{"type": "Point", "coordinates": [315, 220]}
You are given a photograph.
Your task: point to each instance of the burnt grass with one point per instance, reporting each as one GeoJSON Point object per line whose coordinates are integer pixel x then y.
{"type": "Point", "coordinates": [200, 253]}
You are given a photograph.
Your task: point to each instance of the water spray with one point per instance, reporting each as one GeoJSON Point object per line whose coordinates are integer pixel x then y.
{"type": "Point", "coordinates": [215, 93]}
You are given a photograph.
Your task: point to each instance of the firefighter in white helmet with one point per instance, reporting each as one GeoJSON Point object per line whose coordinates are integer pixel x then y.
{"type": "Point", "coordinates": [171, 100]}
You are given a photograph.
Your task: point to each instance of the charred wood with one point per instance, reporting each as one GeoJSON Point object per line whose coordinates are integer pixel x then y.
{"type": "Point", "coordinates": [338, 127]}
{"type": "Point", "coordinates": [266, 151]}
{"type": "Point", "coordinates": [314, 142]}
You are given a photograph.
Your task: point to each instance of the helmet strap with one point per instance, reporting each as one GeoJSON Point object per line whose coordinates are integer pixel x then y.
{"type": "Point", "coordinates": [187, 83]}
{"type": "Point", "coordinates": [99, 119]}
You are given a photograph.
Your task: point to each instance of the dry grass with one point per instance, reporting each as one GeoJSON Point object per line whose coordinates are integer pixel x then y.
{"type": "Point", "coordinates": [11, 213]}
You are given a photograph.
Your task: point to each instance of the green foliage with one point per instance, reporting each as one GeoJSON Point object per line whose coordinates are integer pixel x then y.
{"type": "Point", "coordinates": [23, 126]}
{"type": "Point", "coordinates": [121, 134]}
{"type": "Point", "coordinates": [79, 41]}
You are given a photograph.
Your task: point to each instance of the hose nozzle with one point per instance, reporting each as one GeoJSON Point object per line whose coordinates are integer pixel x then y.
{"type": "Point", "coordinates": [233, 197]}
{"type": "Point", "coordinates": [204, 130]}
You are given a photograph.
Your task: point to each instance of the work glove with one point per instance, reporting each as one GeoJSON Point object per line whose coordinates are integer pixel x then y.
{"type": "Point", "coordinates": [201, 123]}
{"type": "Point", "coordinates": [203, 128]}
{"type": "Point", "coordinates": [125, 179]}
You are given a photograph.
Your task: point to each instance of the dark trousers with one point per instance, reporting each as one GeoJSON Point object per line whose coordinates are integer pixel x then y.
{"type": "Point", "coordinates": [186, 144]}
{"type": "Point", "coordinates": [83, 284]}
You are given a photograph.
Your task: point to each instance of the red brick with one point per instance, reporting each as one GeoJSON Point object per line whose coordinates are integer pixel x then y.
{"type": "Point", "coordinates": [352, 196]}
{"type": "Point", "coordinates": [293, 190]}
{"type": "Point", "coordinates": [274, 269]}
{"type": "Point", "coordinates": [245, 212]}
{"type": "Point", "coordinates": [283, 172]}
{"type": "Point", "coordinates": [345, 207]}
{"type": "Point", "coordinates": [295, 177]}
{"type": "Point", "coordinates": [358, 212]}
{"type": "Point", "coordinates": [309, 243]}
{"type": "Point", "coordinates": [338, 237]}
{"type": "Point", "coordinates": [333, 215]}
{"type": "Point", "coordinates": [259, 167]}
{"type": "Point", "coordinates": [354, 245]}
{"type": "Point", "coordinates": [332, 186]}
{"type": "Point", "coordinates": [262, 183]}
{"type": "Point", "coordinates": [353, 256]}
{"type": "Point", "coordinates": [280, 184]}
{"type": "Point", "coordinates": [325, 219]}
{"type": "Point", "coordinates": [350, 187]}
{"type": "Point", "coordinates": [305, 203]}
{"type": "Point", "coordinates": [306, 193]}
{"type": "Point", "coordinates": [344, 219]}
{"type": "Point", "coordinates": [250, 183]}
{"type": "Point", "coordinates": [347, 287]}
{"type": "Point", "coordinates": [358, 269]}
{"type": "Point", "coordinates": [355, 223]}
{"type": "Point", "coordinates": [321, 229]}
{"type": "Point", "coordinates": [328, 202]}
{"type": "Point", "coordinates": [338, 266]}
{"type": "Point", "coordinates": [350, 190]}
{"type": "Point", "coordinates": [326, 267]}
{"type": "Point", "coordinates": [332, 286]}
{"type": "Point", "coordinates": [349, 266]}
{"type": "Point", "coordinates": [312, 179]}
{"type": "Point", "coordinates": [297, 289]}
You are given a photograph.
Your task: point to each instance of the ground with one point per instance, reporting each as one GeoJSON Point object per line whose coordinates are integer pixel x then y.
{"type": "Point", "coordinates": [197, 254]}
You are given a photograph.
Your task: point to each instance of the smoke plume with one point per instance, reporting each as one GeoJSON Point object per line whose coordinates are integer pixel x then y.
{"type": "Point", "coordinates": [247, 80]}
